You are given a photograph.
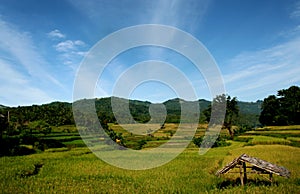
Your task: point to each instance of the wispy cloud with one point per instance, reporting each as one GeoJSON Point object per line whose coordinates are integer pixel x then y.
{"type": "Point", "coordinates": [56, 34]}
{"type": "Point", "coordinates": [265, 71]}
{"type": "Point", "coordinates": [19, 45]}
{"type": "Point", "coordinates": [185, 15]}
{"type": "Point", "coordinates": [296, 12]}
{"type": "Point", "coordinates": [69, 45]}
{"type": "Point", "coordinates": [70, 51]}
{"type": "Point", "coordinates": [181, 14]}
{"type": "Point", "coordinates": [17, 88]}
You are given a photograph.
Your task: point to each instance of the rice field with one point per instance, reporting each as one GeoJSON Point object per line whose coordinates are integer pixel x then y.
{"type": "Point", "coordinates": [297, 139]}
{"type": "Point", "coordinates": [265, 140]}
{"type": "Point", "coordinates": [278, 128]}
{"type": "Point", "coordinates": [285, 135]}
{"type": "Point", "coordinates": [274, 132]}
{"type": "Point", "coordinates": [78, 170]}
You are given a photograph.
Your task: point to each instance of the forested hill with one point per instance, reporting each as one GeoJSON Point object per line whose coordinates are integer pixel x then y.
{"type": "Point", "coordinates": [60, 113]}
{"type": "Point", "coordinates": [1, 106]}
{"type": "Point", "coordinates": [250, 107]}
{"type": "Point", "coordinates": [244, 107]}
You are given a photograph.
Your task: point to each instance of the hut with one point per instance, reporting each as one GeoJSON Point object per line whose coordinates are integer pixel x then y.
{"type": "Point", "coordinates": [256, 165]}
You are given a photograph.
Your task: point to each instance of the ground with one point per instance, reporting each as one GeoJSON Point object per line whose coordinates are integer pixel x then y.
{"type": "Point", "coordinates": [76, 170]}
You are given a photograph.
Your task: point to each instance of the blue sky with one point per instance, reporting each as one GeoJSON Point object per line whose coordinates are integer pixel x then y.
{"type": "Point", "coordinates": [256, 45]}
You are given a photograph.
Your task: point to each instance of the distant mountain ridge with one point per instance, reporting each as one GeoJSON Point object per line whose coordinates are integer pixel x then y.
{"type": "Point", "coordinates": [60, 113]}
{"type": "Point", "coordinates": [245, 107]}
{"type": "Point", "coordinates": [2, 106]}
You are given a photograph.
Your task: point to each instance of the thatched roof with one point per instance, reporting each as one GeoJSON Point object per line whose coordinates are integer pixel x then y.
{"type": "Point", "coordinates": [257, 165]}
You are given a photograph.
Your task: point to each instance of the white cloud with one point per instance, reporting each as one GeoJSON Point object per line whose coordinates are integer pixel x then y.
{"type": "Point", "coordinates": [182, 14]}
{"type": "Point", "coordinates": [18, 89]}
{"type": "Point", "coordinates": [81, 53]}
{"type": "Point", "coordinates": [69, 45]}
{"type": "Point", "coordinates": [71, 52]}
{"type": "Point", "coordinates": [56, 34]}
{"type": "Point", "coordinates": [263, 72]}
{"type": "Point", "coordinates": [296, 11]}
{"type": "Point", "coordinates": [70, 49]}
{"type": "Point", "coordinates": [25, 74]}
{"type": "Point", "coordinates": [20, 46]}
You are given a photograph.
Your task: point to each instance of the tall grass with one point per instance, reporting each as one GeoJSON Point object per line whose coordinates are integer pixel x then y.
{"type": "Point", "coordinates": [278, 128]}
{"type": "Point", "coordinates": [264, 140]}
{"type": "Point", "coordinates": [79, 171]}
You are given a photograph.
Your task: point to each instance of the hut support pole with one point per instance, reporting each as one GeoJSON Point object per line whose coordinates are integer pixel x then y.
{"type": "Point", "coordinates": [271, 177]}
{"type": "Point", "coordinates": [245, 172]}
{"type": "Point", "coordinates": [241, 175]}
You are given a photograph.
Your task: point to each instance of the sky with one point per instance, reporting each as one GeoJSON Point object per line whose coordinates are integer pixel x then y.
{"type": "Point", "coordinates": [255, 44]}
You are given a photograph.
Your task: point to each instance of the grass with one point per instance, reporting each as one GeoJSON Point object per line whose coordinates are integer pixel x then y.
{"type": "Point", "coordinates": [265, 140]}
{"type": "Point", "coordinates": [57, 150]}
{"type": "Point", "coordinates": [279, 128]}
{"type": "Point", "coordinates": [77, 170]}
{"type": "Point", "coordinates": [285, 135]}
{"type": "Point", "coordinates": [274, 132]}
{"type": "Point", "coordinates": [297, 139]}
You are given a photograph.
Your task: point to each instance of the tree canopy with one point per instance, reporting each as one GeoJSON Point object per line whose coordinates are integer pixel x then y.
{"type": "Point", "coordinates": [283, 109]}
{"type": "Point", "coordinates": [232, 111]}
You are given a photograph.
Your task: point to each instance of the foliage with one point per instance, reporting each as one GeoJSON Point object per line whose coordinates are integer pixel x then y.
{"type": "Point", "coordinates": [60, 113]}
{"type": "Point", "coordinates": [219, 142]}
{"type": "Point", "coordinates": [242, 129]}
{"type": "Point", "coordinates": [3, 125]}
{"type": "Point", "coordinates": [116, 137]}
{"type": "Point", "coordinates": [283, 109]}
{"type": "Point", "coordinates": [141, 143]}
{"type": "Point", "coordinates": [10, 146]}
{"type": "Point", "coordinates": [41, 126]}
{"type": "Point", "coordinates": [232, 111]}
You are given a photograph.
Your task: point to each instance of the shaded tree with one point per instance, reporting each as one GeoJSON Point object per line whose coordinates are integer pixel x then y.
{"type": "Point", "coordinates": [289, 101]}
{"type": "Point", "coordinates": [3, 124]}
{"type": "Point", "coordinates": [232, 111]}
{"type": "Point", "coordinates": [270, 111]}
{"type": "Point", "coordinates": [283, 109]}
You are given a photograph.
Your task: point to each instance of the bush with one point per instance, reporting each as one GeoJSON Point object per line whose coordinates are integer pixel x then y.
{"type": "Point", "coordinates": [22, 150]}
{"type": "Point", "coordinates": [28, 139]}
{"type": "Point", "coordinates": [10, 146]}
{"type": "Point", "coordinates": [242, 130]}
{"type": "Point", "coordinates": [219, 142]}
{"type": "Point", "coordinates": [242, 139]}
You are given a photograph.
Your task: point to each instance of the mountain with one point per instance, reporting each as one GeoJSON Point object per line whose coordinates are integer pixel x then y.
{"type": "Point", "coordinates": [2, 106]}
{"type": "Point", "coordinates": [250, 107]}
{"type": "Point", "coordinates": [60, 113]}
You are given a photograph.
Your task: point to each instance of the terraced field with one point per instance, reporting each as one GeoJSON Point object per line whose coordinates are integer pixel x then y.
{"type": "Point", "coordinates": [285, 135]}
{"type": "Point", "coordinates": [77, 170]}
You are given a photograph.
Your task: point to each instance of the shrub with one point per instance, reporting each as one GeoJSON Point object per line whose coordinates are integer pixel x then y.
{"type": "Point", "coordinates": [219, 142]}
{"type": "Point", "coordinates": [141, 143]}
{"type": "Point", "coordinates": [10, 146]}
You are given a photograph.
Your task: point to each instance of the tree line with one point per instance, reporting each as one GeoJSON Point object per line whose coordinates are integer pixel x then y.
{"type": "Point", "coordinates": [283, 109]}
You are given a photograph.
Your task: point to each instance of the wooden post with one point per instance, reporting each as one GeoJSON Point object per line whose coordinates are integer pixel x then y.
{"type": "Point", "coordinates": [245, 172]}
{"type": "Point", "coordinates": [241, 175]}
{"type": "Point", "coordinates": [271, 177]}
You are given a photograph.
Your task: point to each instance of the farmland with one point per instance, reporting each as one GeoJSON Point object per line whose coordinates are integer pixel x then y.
{"type": "Point", "coordinates": [73, 168]}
